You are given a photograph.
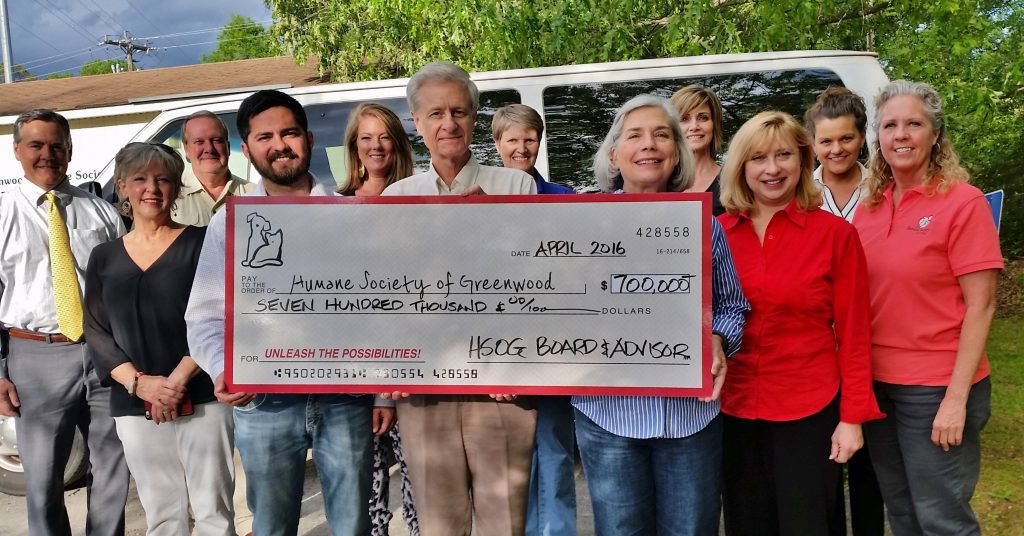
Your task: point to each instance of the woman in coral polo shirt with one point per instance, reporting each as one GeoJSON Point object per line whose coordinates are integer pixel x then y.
{"type": "Point", "coordinates": [933, 259]}
{"type": "Point", "coordinates": [800, 386]}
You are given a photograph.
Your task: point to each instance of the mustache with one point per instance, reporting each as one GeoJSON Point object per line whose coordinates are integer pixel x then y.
{"type": "Point", "coordinates": [274, 155]}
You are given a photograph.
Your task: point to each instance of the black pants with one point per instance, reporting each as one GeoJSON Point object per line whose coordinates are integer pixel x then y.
{"type": "Point", "coordinates": [778, 478]}
{"type": "Point", "coordinates": [867, 510]}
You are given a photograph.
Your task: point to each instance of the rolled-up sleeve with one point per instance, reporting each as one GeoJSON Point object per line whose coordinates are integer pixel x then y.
{"type": "Point", "coordinates": [728, 305]}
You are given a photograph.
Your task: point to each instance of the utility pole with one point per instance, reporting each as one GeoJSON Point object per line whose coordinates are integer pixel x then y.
{"type": "Point", "coordinates": [5, 36]}
{"type": "Point", "coordinates": [127, 45]}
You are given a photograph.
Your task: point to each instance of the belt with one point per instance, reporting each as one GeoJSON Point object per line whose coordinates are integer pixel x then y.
{"type": "Point", "coordinates": [37, 336]}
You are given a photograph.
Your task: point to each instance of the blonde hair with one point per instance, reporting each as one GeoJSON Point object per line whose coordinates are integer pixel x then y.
{"type": "Point", "coordinates": [761, 130]}
{"type": "Point", "coordinates": [691, 97]}
{"type": "Point", "coordinates": [401, 164]}
{"type": "Point", "coordinates": [944, 169]}
{"type": "Point", "coordinates": [609, 178]}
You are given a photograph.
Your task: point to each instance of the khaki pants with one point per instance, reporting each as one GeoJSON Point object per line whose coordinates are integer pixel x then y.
{"type": "Point", "coordinates": [468, 456]}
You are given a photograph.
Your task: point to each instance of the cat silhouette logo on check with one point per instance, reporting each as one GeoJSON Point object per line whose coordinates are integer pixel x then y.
{"type": "Point", "coordinates": [264, 246]}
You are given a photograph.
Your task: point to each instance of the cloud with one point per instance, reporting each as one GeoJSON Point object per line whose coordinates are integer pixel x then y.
{"type": "Point", "coordinates": [62, 35]}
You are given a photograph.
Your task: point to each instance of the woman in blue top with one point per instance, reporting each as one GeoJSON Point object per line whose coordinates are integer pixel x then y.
{"type": "Point", "coordinates": [653, 464]}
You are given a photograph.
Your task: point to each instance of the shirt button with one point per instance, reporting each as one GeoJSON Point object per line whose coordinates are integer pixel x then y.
{"type": "Point", "coordinates": [771, 237]}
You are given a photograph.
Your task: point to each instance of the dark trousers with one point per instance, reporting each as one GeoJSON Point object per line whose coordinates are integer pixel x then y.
{"type": "Point", "coordinates": [778, 478]}
{"type": "Point", "coordinates": [59, 392]}
{"type": "Point", "coordinates": [867, 510]}
{"type": "Point", "coordinates": [927, 490]}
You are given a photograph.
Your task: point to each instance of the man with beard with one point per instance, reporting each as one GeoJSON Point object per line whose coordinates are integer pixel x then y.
{"type": "Point", "coordinates": [273, 432]}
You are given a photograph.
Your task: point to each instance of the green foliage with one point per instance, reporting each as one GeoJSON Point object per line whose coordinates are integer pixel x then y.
{"type": "Point", "coordinates": [64, 74]}
{"type": "Point", "coordinates": [103, 67]}
{"type": "Point", "coordinates": [240, 39]}
{"type": "Point", "coordinates": [969, 49]}
{"type": "Point", "coordinates": [19, 72]}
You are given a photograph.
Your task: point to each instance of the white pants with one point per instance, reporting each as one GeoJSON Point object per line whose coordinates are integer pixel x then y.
{"type": "Point", "coordinates": [182, 463]}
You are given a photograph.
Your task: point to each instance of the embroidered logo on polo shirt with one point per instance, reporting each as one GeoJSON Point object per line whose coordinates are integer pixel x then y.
{"type": "Point", "coordinates": [922, 225]}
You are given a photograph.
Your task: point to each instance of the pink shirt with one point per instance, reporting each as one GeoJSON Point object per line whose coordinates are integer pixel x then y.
{"type": "Point", "coordinates": [914, 256]}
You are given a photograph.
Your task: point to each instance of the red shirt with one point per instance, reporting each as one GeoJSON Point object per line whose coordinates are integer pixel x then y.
{"type": "Point", "coordinates": [809, 326]}
{"type": "Point", "coordinates": [915, 255]}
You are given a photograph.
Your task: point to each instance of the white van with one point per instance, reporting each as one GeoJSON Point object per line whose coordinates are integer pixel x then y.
{"type": "Point", "coordinates": [578, 103]}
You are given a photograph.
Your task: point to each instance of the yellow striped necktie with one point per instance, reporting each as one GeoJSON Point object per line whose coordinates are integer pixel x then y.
{"type": "Point", "coordinates": [66, 294]}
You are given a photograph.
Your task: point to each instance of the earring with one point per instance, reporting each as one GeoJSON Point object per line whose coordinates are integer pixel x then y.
{"type": "Point", "coordinates": [125, 208]}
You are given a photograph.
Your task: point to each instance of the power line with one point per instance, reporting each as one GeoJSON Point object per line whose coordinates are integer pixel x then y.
{"type": "Point", "coordinates": [107, 13]}
{"type": "Point", "coordinates": [208, 30]}
{"type": "Point", "coordinates": [33, 34]}
{"type": "Point", "coordinates": [128, 45]}
{"type": "Point", "coordinates": [56, 57]}
{"type": "Point", "coordinates": [78, 28]}
{"type": "Point", "coordinates": [143, 15]}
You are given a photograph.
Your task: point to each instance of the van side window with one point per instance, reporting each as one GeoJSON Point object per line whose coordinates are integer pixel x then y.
{"type": "Point", "coordinates": [328, 121]}
{"type": "Point", "coordinates": [579, 116]}
{"type": "Point", "coordinates": [171, 135]}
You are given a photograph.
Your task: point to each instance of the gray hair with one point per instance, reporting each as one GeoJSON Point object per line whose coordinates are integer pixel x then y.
{"type": "Point", "coordinates": [208, 114]}
{"type": "Point", "coordinates": [608, 176]}
{"type": "Point", "coordinates": [440, 72]}
{"type": "Point", "coordinates": [138, 155]}
{"type": "Point", "coordinates": [512, 115]}
{"type": "Point", "coordinates": [930, 98]}
{"type": "Point", "coordinates": [43, 114]}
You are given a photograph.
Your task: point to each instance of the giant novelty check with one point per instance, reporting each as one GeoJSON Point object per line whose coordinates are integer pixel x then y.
{"type": "Point", "coordinates": [584, 294]}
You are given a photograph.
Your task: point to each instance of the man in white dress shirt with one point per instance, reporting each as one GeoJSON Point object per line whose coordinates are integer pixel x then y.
{"type": "Point", "coordinates": [469, 456]}
{"type": "Point", "coordinates": [47, 381]}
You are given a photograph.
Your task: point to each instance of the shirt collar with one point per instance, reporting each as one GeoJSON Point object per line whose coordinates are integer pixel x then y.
{"type": "Point", "coordinates": [318, 189]}
{"type": "Point", "coordinates": [466, 177]}
{"type": "Point", "coordinates": [190, 185]}
{"type": "Point", "coordinates": [792, 211]}
{"type": "Point", "coordinates": [37, 195]}
{"type": "Point", "coordinates": [863, 175]}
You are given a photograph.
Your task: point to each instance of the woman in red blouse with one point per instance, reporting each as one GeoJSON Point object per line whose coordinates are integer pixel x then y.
{"type": "Point", "coordinates": [788, 424]}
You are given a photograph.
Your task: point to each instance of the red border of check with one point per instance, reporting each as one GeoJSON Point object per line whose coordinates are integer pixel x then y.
{"type": "Point", "coordinates": [229, 292]}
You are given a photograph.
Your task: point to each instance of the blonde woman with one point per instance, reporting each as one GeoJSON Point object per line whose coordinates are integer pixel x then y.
{"type": "Point", "coordinates": [933, 259]}
{"type": "Point", "coordinates": [800, 386]}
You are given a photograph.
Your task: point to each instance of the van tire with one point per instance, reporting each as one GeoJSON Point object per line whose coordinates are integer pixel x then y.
{"type": "Point", "coordinates": [12, 475]}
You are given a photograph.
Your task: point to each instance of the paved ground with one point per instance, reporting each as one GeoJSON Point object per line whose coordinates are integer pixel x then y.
{"type": "Point", "coordinates": [312, 523]}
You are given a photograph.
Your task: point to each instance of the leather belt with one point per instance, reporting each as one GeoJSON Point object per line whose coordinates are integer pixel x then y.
{"type": "Point", "coordinates": [37, 336]}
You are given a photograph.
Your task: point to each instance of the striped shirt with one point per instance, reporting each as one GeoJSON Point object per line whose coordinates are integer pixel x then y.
{"type": "Point", "coordinates": [829, 204]}
{"type": "Point", "coordinates": [643, 417]}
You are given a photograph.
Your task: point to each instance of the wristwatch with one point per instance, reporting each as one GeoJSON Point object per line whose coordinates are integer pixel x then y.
{"type": "Point", "coordinates": [135, 383]}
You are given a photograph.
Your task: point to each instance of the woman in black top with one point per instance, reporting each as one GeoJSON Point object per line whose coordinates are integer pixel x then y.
{"type": "Point", "coordinates": [177, 439]}
{"type": "Point", "coordinates": [700, 117]}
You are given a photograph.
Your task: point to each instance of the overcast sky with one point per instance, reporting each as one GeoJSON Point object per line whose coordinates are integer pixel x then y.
{"type": "Point", "coordinates": [61, 35]}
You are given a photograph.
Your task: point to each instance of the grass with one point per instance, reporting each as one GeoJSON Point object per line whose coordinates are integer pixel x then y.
{"type": "Point", "coordinates": [999, 499]}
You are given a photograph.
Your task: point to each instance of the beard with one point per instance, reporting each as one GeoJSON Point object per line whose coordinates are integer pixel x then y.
{"type": "Point", "coordinates": [282, 177]}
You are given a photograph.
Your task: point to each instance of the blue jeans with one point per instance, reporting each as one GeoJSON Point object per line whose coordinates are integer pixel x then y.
{"type": "Point", "coordinates": [551, 509]}
{"type": "Point", "coordinates": [926, 489]}
{"type": "Point", "coordinates": [653, 486]}
{"type": "Point", "coordinates": [273, 433]}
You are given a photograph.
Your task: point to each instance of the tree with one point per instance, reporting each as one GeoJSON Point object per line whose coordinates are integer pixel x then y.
{"type": "Point", "coordinates": [19, 72]}
{"type": "Point", "coordinates": [103, 67]}
{"type": "Point", "coordinates": [969, 50]}
{"type": "Point", "coordinates": [242, 38]}
{"type": "Point", "coordinates": [63, 74]}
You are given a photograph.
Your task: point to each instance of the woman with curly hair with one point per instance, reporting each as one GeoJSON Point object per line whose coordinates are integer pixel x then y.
{"type": "Point", "coordinates": [933, 258]}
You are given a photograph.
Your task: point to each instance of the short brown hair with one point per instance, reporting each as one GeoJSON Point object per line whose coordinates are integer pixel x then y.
{"type": "Point", "coordinates": [693, 96]}
{"type": "Point", "coordinates": [137, 156]}
{"type": "Point", "coordinates": [760, 130]}
{"type": "Point", "coordinates": [515, 115]}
